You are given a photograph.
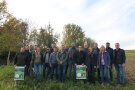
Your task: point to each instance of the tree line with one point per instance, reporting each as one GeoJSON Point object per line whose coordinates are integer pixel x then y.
{"type": "Point", "coordinates": [16, 33]}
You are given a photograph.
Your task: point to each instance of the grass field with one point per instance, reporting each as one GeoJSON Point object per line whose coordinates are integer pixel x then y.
{"type": "Point", "coordinates": [7, 82]}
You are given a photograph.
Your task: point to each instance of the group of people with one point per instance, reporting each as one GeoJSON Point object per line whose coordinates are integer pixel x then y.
{"type": "Point", "coordinates": [61, 63]}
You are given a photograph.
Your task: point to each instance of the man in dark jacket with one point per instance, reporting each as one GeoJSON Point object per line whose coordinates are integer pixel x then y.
{"type": "Point", "coordinates": [110, 51]}
{"type": "Point", "coordinates": [119, 58]}
{"type": "Point", "coordinates": [67, 50]}
{"type": "Point", "coordinates": [85, 50]}
{"type": "Point", "coordinates": [73, 54]}
{"type": "Point", "coordinates": [46, 62]}
{"type": "Point", "coordinates": [96, 52]}
{"type": "Point", "coordinates": [91, 65]}
{"type": "Point", "coordinates": [21, 58]}
{"type": "Point", "coordinates": [29, 56]}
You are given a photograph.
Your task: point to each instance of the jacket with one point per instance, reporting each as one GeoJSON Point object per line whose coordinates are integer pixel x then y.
{"type": "Point", "coordinates": [91, 59]}
{"type": "Point", "coordinates": [21, 59]}
{"type": "Point", "coordinates": [81, 58]}
{"type": "Point", "coordinates": [62, 56]}
{"type": "Point", "coordinates": [96, 52]}
{"type": "Point", "coordinates": [53, 58]}
{"type": "Point", "coordinates": [110, 51]}
{"type": "Point", "coordinates": [34, 57]}
{"type": "Point", "coordinates": [106, 58]}
{"type": "Point", "coordinates": [119, 56]}
{"type": "Point", "coordinates": [73, 53]}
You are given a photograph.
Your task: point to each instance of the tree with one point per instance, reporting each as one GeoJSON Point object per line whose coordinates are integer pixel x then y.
{"type": "Point", "coordinates": [13, 35]}
{"type": "Point", "coordinates": [73, 33]}
{"type": "Point", "coordinates": [45, 37]}
{"type": "Point", "coordinates": [3, 12]}
{"type": "Point", "coordinates": [90, 42]}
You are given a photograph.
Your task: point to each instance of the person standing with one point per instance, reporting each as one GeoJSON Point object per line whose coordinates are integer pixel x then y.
{"type": "Point", "coordinates": [62, 57]}
{"type": "Point", "coordinates": [38, 63]}
{"type": "Point", "coordinates": [81, 57]}
{"type": "Point", "coordinates": [73, 55]}
{"type": "Point", "coordinates": [29, 56]}
{"type": "Point", "coordinates": [85, 50]}
{"type": "Point", "coordinates": [52, 47]}
{"type": "Point", "coordinates": [91, 65]}
{"type": "Point", "coordinates": [103, 64]}
{"type": "Point", "coordinates": [46, 62]}
{"type": "Point", "coordinates": [67, 50]}
{"type": "Point", "coordinates": [96, 52]}
{"type": "Point", "coordinates": [53, 63]}
{"type": "Point", "coordinates": [21, 58]}
{"type": "Point", "coordinates": [110, 51]}
{"type": "Point", "coordinates": [119, 63]}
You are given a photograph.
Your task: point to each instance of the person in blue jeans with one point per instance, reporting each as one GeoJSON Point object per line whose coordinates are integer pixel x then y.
{"type": "Point", "coordinates": [46, 63]}
{"type": "Point", "coordinates": [62, 57]}
{"type": "Point", "coordinates": [110, 51]}
{"type": "Point", "coordinates": [73, 55]}
{"type": "Point", "coordinates": [119, 63]}
{"type": "Point", "coordinates": [103, 64]}
{"type": "Point", "coordinates": [53, 63]}
{"type": "Point", "coordinates": [38, 62]}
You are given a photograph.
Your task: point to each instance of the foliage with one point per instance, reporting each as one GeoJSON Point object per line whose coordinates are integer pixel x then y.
{"type": "Point", "coordinates": [73, 33]}
{"type": "Point", "coordinates": [13, 34]}
{"type": "Point", "coordinates": [45, 37]}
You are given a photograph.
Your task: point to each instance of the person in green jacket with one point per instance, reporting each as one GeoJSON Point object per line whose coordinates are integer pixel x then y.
{"type": "Point", "coordinates": [62, 57]}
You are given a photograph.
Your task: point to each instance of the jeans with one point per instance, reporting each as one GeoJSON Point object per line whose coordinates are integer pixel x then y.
{"type": "Point", "coordinates": [54, 70]}
{"type": "Point", "coordinates": [72, 65]}
{"type": "Point", "coordinates": [47, 66]}
{"type": "Point", "coordinates": [111, 73]}
{"type": "Point", "coordinates": [62, 72]}
{"type": "Point", "coordinates": [38, 71]}
{"type": "Point", "coordinates": [120, 73]}
{"type": "Point", "coordinates": [104, 74]}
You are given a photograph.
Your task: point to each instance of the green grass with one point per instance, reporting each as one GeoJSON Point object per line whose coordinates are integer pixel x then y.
{"type": "Point", "coordinates": [7, 82]}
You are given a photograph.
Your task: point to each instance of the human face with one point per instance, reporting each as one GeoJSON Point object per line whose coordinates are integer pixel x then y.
{"type": "Point", "coordinates": [62, 47]}
{"type": "Point", "coordinates": [38, 49]}
{"type": "Point", "coordinates": [85, 46]}
{"type": "Point", "coordinates": [102, 49]}
{"type": "Point", "coordinates": [95, 45]}
{"type": "Point", "coordinates": [22, 50]}
{"type": "Point", "coordinates": [107, 45]}
{"type": "Point", "coordinates": [55, 49]}
{"type": "Point", "coordinates": [80, 48]}
{"type": "Point", "coordinates": [117, 46]}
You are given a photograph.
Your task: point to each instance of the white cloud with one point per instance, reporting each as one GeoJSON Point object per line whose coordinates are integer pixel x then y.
{"type": "Point", "coordinates": [103, 21]}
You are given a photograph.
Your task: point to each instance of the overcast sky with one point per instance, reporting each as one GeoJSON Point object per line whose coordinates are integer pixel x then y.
{"type": "Point", "coordinates": [103, 20]}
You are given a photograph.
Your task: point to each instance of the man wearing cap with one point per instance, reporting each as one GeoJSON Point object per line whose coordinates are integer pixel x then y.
{"type": "Point", "coordinates": [73, 54]}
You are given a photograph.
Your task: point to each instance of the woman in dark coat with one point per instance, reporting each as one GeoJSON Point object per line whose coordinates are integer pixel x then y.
{"type": "Point", "coordinates": [91, 65]}
{"type": "Point", "coordinates": [81, 56]}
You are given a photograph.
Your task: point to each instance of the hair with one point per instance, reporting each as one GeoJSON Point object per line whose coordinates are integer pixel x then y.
{"type": "Point", "coordinates": [102, 47]}
{"type": "Point", "coordinates": [107, 43]}
{"type": "Point", "coordinates": [117, 43]}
